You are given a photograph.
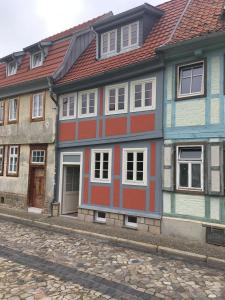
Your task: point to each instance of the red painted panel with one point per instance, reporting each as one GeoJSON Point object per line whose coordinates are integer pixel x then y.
{"type": "Point", "coordinates": [116, 193]}
{"type": "Point", "coordinates": [85, 192]}
{"type": "Point", "coordinates": [153, 159]}
{"type": "Point", "coordinates": [142, 123]}
{"type": "Point", "coordinates": [115, 126]}
{"type": "Point", "coordinates": [100, 195]}
{"type": "Point", "coordinates": [134, 199]}
{"type": "Point", "coordinates": [152, 196]}
{"type": "Point", "coordinates": [86, 160]}
{"type": "Point", "coordinates": [87, 129]}
{"type": "Point", "coordinates": [117, 160]}
{"type": "Point", "coordinates": [67, 131]}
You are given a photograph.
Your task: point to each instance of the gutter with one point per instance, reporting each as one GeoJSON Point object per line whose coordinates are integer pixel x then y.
{"type": "Point", "coordinates": [53, 96]}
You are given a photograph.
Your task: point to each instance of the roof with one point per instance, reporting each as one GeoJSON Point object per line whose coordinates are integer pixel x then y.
{"type": "Point", "coordinates": [56, 53]}
{"type": "Point", "coordinates": [182, 20]}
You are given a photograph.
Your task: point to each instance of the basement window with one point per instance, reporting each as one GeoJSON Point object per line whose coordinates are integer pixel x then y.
{"type": "Point", "coordinates": [100, 216]}
{"type": "Point", "coordinates": [131, 221]}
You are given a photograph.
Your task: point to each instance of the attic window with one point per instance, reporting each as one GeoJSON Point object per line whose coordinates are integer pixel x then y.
{"type": "Point", "coordinates": [37, 59]}
{"type": "Point", "coordinates": [130, 36]}
{"type": "Point", "coordinates": [108, 43]}
{"type": "Point", "coordinates": [11, 68]}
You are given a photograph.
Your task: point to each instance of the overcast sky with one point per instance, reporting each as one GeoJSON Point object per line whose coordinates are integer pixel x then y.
{"type": "Point", "coordinates": [24, 22]}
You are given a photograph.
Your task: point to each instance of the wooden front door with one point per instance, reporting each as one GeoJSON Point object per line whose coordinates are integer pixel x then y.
{"type": "Point", "coordinates": [37, 187]}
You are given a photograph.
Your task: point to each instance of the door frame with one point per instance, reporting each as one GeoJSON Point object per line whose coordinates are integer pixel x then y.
{"type": "Point", "coordinates": [33, 166]}
{"type": "Point", "coordinates": [62, 164]}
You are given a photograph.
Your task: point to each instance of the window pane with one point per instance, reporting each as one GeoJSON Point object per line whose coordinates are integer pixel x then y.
{"type": "Point", "coordinates": [140, 166]}
{"type": "Point", "coordinates": [185, 85]}
{"type": "Point", "coordinates": [130, 175]}
{"type": "Point", "coordinates": [148, 94]}
{"type": "Point", "coordinates": [190, 153]}
{"type": "Point", "coordinates": [71, 106]}
{"type": "Point", "coordinates": [84, 104]}
{"type": "Point", "coordinates": [105, 174]}
{"type": "Point", "coordinates": [198, 70]}
{"type": "Point", "coordinates": [138, 95]}
{"type": "Point", "coordinates": [112, 99]}
{"type": "Point", "coordinates": [134, 33]}
{"type": "Point", "coordinates": [105, 165]}
{"type": "Point", "coordinates": [97, 156]}
{"type": "Point", "coordinates": [105, 43]}
{"type": "Point", "coordinates": [97, 173]}
{"type": "Point", "coordinates": [112, 41]}
{"type": "Point", "coordinates": [185, 72]}
{"type": "Point", "coordinates": [121, 96]}
{"type": "Point", "coordinates": [130, 166]}
{"type": "Point", "coordinates": [140, 156]}
{"type": "Point", "coordinates": [92, 103]}
{"type": "Point", "coordinates": [196, 84]}
{"type": "Point", "coordinates": [130, 156]}
{"type": "Point", "coordinates": [125, 30]}
{"type": "Point", "coordinates": [196, 175]}
{"type": "Point", "coordinates": [65, 103]}
{"type": "Point", "coordinates": [105, 156]}
{"type": "Point", "coordinates": [140, 176]}
{"type": "Point", "coordinates": [184, 175]}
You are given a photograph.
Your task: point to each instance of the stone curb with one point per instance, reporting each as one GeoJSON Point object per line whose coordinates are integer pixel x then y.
{"type": "Point", "coordinates": [134, 245]}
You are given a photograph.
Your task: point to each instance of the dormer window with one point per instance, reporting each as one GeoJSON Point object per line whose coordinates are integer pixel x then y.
{"type": "Point", "coordinates": [11, 68]}
{"type": "Point", "coordinates": [108, 43]}
{"type": "Point", "coordinates": [130, 36]}
{"type": "Point", "coordinates": [37, 59]}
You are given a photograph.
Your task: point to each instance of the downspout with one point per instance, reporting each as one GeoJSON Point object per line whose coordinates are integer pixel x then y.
{"type": "Point", "coordinates": [53, 96]}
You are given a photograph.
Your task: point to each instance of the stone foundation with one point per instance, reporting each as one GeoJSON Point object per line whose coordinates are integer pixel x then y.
{"type": "Point", "coordinates": [113, 219]}
{"type": "Point", "coordinates": [12, 200]}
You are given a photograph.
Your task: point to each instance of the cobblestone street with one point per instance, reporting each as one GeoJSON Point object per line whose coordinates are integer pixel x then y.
{"type": "Point", "coordinates": [42, 264]}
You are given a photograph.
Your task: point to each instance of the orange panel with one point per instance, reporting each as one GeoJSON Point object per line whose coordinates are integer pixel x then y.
{"type": "Point", "coordinates": [153, 159]}
{"type": "Point", "coordinates": [116, 193]}
{"type": "Point", "coordinates": [67, 131]}
{"type": "Point", "coordinates": [134, 199]}
{"type": "Point", "coordinates": [142, 123]}
{"type": "Point", "coordinates": [100, 195]}
{"type": "Point", "coordinates": [87, 129]}
{"type": "Point", "coordinates": [152, 196]}
{"type": "Point", "coordinates": [116, 126]}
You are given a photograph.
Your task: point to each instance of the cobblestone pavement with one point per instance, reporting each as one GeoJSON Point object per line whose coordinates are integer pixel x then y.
{"type": "Point", "coordinates": [41, 264]}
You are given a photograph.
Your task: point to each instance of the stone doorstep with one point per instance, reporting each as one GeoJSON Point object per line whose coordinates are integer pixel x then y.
{"type": "Point", "coordinates": [135, 245]}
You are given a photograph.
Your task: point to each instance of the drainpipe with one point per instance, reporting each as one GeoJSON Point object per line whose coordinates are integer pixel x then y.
{"type": "Point", "coordinates": [54, 97]}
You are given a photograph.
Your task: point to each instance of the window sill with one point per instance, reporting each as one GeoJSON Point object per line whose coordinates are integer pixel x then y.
{"type": "Point", "coordinates": [37, 119]}
{"type": "Point", "coordinates": [190, 191]}
{"type": "Point", "coordinates": [12, 122]}
{"type": "Point", "coordinates": [189, 97]}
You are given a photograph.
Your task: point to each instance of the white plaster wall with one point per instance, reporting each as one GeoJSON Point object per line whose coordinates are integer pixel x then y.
{"type": "Point", "coordinates": [215, 75]}
{"type": "Point", "coordinates": [50, 173]}
{"type": "Point", "coordinates": [167, 178]}
{"type": "Point", "coordinates": [168, 115]}
{"type": "Point", "coordinates": [166, 202]}
{"type": "Point", "coordinates": [215, 156]}
{"type": "Point", "coordinates": [215, 111]}
{"type": "Point", "coordinates": [192, 205]}
{"type": "Point", "coordinates": [215, 208]}
{"type": "Point", "coordinates": [190, 112]}
{"type": "Point", "coordinates": [17, 185]}
{"type": "Point", "coordinates": [215, 180]}
{"type": "Point", "coordinates": [167, 156]}
{"type": "Point", "coordinates": [169, 78]}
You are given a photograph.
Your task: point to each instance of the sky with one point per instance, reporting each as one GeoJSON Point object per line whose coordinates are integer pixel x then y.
{"type": "Point", "coordinates": [24, 22]}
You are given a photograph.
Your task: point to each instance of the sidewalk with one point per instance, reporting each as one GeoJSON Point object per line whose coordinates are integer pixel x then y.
{"type": "Point", "coordinates": [175, 247]}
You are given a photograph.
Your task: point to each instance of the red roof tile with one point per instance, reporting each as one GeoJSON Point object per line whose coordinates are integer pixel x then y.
{"type": "Point", "coordinates": [53, 60]}
{"type": "Point", "coordinates": [200, 17]}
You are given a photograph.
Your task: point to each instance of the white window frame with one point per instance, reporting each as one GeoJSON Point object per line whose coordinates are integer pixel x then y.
{"type": "Point", "coordinates": [8, 68]}
{"type": "Point", "coordinates": [10, 107]}
{"type": "Point", "coordinates": [100, 219]}
{"type": "Point", "coordinates": [88, 92]}
{"type": "Point", "coordinates": [68, 117]}
{"type": "Point", "coordinates": [130, 224]}
{"type": "Point", "coordinates": [125, 181]}
{"type": "Point", "coordinates": [33, 66]}
{"type": "Point", "coordinates": [2, 108]}
{"type": "Point", "coordinates": [108, 53]}
{"type": "Point", "coordinates": [41, 97]}
{"type": "Point", "coordinates": [2, 156]}
{"type": "Point", "coordinates": [38, 163]}
{"type": "Point", "coordinates": [101, 179]}
{"type": "Point", "coordinates": [179, 95]}
{"type": "Point", "coordinates": [116, 87]}
{"type": "Point", "coordinates": [130, 46]}
{"type": "Point", "coordinates": [189, 162]}
{"type": "Point", "coordinates": [132, 94]}
{"type": "Point", "coordinates": [14, 157]}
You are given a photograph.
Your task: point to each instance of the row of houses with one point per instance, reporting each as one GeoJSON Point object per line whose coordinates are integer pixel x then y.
{"type": "Point", "coordinates": [120, 120]}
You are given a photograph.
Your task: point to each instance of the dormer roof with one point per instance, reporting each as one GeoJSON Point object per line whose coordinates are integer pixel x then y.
{"type": "Point", "coordinates": [11, 57]}
{"type": "Point", "coordinates": [37, 46]}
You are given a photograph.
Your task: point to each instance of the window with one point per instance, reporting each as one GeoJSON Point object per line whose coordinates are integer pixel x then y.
{"type": "Point", "coordinates": [143, 95]}
{"type": "Point", "coordinates": [108, 43]}
{"type": "Point", "coordinates": [190, 168]}
{"type": "Point", "coordinates": [68, 107]}
{"type": "Point", "coordinates": [38, 156]}
{"type": "Point", "coordinates": [130, 36]}
{"type": "Point", "coordinates": [116, 99]}
{"type": "Point", "coordinates": [1, 160]}
{"type": "Point", "coordinates": [11, 68]}
{"type": "Point", "coordinates": [131, 221]}
{"type": "Point", "coordinates": [101, 165]}
{"type": "Point", "coordinates": [38, 106]}
{"type": "Point", "coordinates": [87, 104]}
{"type": "Point", "coordinates": [135, 166]}
{"type": "Point", "coordinates": [13, 110]}
{"type": "Point", "coordinates": [13, 160]}
{"type": "Point", "coordinates": [100, 216]}
{"type": "Point", "coordinates": [190, 80]}
{"type": "Point", "coordinates": [36, 59]}
{"type": "Point", "coordinates": [2, 112]}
